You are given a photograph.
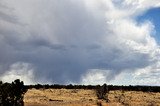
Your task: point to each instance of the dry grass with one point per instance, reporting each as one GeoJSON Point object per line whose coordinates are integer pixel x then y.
{"type": "Point", "coordinates": [133, 98]}
{"type": "Point", "coordinates": [60, 97]}
{"type": "Point", "coordinates": [80, 97]}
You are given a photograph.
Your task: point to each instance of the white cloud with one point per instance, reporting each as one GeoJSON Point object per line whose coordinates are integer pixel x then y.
{"type": "Point", "coordinates": [134, 38]}
{"type": "Point", "coordinates": [95, 77]}
{"type": "Point", "coordinates": [22, 71]}
{"type": "Point", "coordinates": [73, 40]}
{"type": "Point", "coordinates": [147, 76]}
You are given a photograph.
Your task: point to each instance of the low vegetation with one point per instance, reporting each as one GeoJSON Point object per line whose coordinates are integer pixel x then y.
{"type": "Point", "coordinates": [85, 97]}
{"type": "Point", "coordinates": [13, 94]}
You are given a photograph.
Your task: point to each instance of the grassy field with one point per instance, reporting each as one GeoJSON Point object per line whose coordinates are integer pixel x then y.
{"type": "Point", "coordinates": [81, 97]}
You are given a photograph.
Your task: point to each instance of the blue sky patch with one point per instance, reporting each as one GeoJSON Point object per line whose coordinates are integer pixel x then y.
{"type": "Point", "coordinates": [152, 15]}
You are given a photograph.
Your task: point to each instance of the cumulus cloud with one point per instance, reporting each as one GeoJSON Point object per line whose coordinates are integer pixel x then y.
{"type": "Point", "coordinates": [77, 41]}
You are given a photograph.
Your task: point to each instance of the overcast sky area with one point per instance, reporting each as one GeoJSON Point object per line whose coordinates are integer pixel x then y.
{"type": "Point", "coordinates": [80, 41]}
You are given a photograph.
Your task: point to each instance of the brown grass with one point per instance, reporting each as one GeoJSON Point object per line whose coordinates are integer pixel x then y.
{"type": "Point", "coordinates": [60, 97]}
{"type": "Point", "coordinates": [80, 97]}
{"type": "Point", "coordinates": [133, 98]}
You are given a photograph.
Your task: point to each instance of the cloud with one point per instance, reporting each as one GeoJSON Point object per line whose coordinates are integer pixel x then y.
{"type": "Point", "coordinates": [95, 77]}
{"type": "Point", "coordinates": [148, 75]}
{"type": "Point", "coordinates": [21, 71]}
{"type": "Point", "coordinates": [76, 41]}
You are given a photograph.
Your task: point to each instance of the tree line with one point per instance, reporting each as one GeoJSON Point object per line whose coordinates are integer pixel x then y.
{"type": "Point", "coordinates": [109, 87]}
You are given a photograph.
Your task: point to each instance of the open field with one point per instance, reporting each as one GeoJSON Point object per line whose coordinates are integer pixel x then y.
{"type": "Point", "coordinates": [81, 97]}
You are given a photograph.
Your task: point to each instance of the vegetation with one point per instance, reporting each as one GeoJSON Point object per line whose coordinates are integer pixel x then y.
{"type": "Point", "coordinates": [102, 92]}
{"type": "Point", "coordinates": [11, 94]}
{"type": "Point", "coordinates": [109, 87]}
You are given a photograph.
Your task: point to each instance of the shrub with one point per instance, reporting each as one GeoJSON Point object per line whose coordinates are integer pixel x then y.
{"type": "Point", "coordinates": [102, 92]}
{"type": "Point", "coordinates": [11, 94]}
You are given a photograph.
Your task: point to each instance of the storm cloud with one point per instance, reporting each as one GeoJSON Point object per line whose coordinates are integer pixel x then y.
{"type": "Point", "coordinates": [77, 41]}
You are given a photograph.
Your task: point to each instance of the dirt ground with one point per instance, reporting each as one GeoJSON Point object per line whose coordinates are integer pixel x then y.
{"type": "Point", "coordinates": [81, 97]}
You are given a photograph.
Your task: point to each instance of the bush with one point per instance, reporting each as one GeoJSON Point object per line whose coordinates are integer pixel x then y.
{"type": "Point", "coordinates": [102, 91]}
{"type": "Point", "coordinates": [11, 94]}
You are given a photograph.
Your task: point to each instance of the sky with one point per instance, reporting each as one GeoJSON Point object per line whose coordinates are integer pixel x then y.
{"type": "Point", "coordinates": [80, 41]}
{"type": "Point", "coordinates": [153, 16]}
